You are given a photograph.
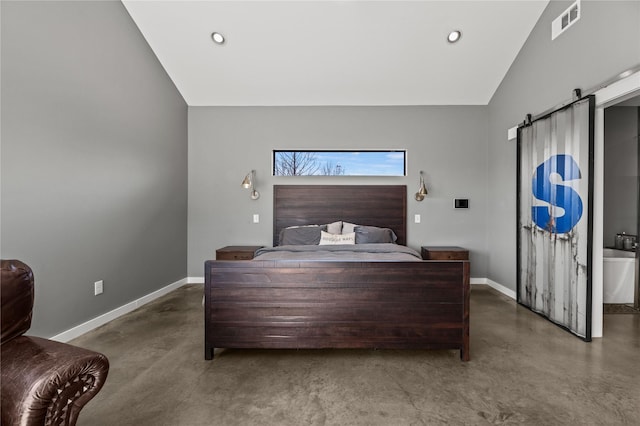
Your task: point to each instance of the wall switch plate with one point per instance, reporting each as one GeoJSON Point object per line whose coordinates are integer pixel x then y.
{"type": "Point", "coordinates": [98, 287]}
{"type": "Point", "coordinates": [461, 203]}
{"type": "Point", "coordinates": [416, 218]}
{"type": "Point", "coordinates": [256, 218]}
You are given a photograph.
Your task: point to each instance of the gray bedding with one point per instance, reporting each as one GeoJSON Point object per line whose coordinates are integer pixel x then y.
{"type": "Point", "coordinates": [351, 252]}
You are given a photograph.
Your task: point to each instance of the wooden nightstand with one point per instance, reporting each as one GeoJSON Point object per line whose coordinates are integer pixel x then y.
{"type": "Point", "coordinates": [236, 252]}
{"type": "Point", "coordinates": [444, 253]}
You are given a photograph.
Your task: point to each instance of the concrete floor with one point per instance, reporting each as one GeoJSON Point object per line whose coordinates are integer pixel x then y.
{"type": "Point", "coordinates": [523, 370]}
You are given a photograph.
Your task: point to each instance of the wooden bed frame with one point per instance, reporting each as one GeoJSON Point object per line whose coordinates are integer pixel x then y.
{"type": "Point", "coordinates": [288, 304]}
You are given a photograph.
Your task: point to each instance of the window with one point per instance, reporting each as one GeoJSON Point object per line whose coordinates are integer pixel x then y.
{"type": "Point", "coordinates": [340, 163]}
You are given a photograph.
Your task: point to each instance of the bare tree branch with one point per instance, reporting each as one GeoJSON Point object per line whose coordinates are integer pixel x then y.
{"type": "Point", "coordinates": [328, 169]}
{"type": "Point", "coordinates": [294, 163]}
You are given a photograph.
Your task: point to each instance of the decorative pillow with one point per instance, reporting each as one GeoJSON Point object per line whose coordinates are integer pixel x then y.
{"type": "Point", "coordinates": [335, 227]}
{"type": "Point", "coordinates": [348, 228]}
{"type": "Point", "coordinates": [301, 235]}
{"type": "Point", "coordinates": [334, 239]}
{"type": "Point", "coordinates": [373, 234]}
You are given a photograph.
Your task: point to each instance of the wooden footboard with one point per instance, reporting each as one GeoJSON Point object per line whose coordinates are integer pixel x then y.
{"type": "Point", "coordinates": [293, 304]}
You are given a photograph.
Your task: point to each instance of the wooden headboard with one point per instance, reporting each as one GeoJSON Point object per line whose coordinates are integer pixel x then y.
{"type": "Point", "coordinates": [384, 206]}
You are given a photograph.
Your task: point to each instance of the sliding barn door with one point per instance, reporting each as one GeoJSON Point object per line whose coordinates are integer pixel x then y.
{"type": "Point", "coordinates": [555, 191]}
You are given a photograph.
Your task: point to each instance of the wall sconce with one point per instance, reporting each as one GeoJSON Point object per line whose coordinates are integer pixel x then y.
{"type": "Point", "coordinates": [248, 182]}
{"type": "Point", "coordinates": [422, 191]}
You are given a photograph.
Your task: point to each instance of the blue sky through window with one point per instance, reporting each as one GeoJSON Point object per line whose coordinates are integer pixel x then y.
{"type": "Point", "coordinates": [347, 163]}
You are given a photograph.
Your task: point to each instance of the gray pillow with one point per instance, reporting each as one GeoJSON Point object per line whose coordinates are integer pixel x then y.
{"type": "Point", "coordinates": [301, 235]}
{"type": "Point", "coordinates": [374, 235]}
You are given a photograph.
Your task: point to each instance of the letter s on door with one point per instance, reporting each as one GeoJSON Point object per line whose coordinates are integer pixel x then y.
{"type": "Point", "coordinates": [556, 194]}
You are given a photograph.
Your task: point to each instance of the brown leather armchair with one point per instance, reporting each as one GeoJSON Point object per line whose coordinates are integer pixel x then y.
{"type": "Point", "coordinates": [42, 382]}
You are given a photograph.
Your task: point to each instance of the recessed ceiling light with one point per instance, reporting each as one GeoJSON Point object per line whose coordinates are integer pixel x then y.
{"type": "Point", "coordinates": [454, 36]}
{"type": "Point", "coordinates": [217, 38]}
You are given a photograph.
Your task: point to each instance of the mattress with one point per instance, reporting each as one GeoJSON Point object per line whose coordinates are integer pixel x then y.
{"type": "Point", "coordinates": [347, 252]}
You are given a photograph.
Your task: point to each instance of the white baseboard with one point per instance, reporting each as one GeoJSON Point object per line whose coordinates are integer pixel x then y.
{"type": "Point", "coordinates": [94, 323]}
{"type": "Point", "coordinates": [502, 289]}
{"type": "Point", "coordinates": [195, 280]}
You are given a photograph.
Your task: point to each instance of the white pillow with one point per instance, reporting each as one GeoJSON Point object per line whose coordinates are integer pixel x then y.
{"type": "Point", "coordinates": [335, 227]}
{"type": "Point", "coordinates": [334, 239]}
{"type": "Point", "coordinates": [348, 228]}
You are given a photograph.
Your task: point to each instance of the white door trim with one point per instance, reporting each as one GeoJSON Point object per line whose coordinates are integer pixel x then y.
{"type": "Point", "coordinates": [605, 97]}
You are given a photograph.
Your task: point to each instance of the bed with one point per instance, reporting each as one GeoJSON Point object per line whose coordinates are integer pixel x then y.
{"type": "Point", "coordinates": [342, 300]}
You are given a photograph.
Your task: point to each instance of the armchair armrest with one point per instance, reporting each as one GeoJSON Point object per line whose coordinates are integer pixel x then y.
{"type": "Point", "coordinates": [48, 382]}
{"type": "Point", "coordinates": [17, 298]}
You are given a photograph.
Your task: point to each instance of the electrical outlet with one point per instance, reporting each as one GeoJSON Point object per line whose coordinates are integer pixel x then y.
{"type": "Point", "coordinates": [98, 287]}
{"type": "Point", "coordinates": [416, 218]}
{"type": "Point", "coordinates": [256, 218]}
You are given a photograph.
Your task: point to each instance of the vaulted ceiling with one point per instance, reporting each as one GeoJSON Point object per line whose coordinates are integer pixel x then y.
{"type": "Point", "coordinates": [336, 52]}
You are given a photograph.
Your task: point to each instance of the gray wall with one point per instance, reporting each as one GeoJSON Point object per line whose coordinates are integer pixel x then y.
{"type": "Point", "coordinates": [94, 159]}
{"type": "Point", "coordinates": [620, 171]}
{"type": "Point", "coordinates": [602, 44]}
{"type": "Point", "coordinates": [448, 143]}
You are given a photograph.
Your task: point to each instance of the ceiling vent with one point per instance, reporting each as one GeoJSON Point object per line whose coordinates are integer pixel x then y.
{"type": "Point", "coordinates": [565, 20]}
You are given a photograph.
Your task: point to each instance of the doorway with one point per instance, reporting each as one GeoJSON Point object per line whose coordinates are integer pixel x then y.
{"type": "Point", "coordinates": [621, 227]}
{"type": "Point", "coordinates": [622, 89]}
